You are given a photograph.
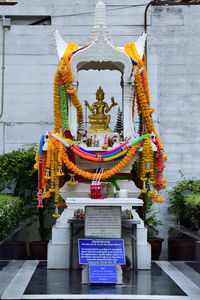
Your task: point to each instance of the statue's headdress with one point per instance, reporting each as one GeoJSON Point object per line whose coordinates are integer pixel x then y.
{"type": "Point", "coordinates": [99, 92]}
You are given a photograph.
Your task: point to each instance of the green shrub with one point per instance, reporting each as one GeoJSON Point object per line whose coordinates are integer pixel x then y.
{"type": "Point", "coordinates": [192, 210]}
{"type": "Point", "coordinates": [182, 203]}
{"type": "Point", "coordinates": [17, 167]}
{"type": "Point", "coordinates": [11, 213]}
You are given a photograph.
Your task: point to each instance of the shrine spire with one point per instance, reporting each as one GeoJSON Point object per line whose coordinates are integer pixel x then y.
{"type": "Point", "coordinates": [99, 20]}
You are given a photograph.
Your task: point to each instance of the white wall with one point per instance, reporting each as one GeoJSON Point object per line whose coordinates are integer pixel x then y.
{"type": "Point", "coordinates": [173, 66]}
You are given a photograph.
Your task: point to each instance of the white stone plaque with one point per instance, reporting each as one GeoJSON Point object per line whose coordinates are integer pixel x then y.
{"type": "Point", "coordinates": [103, 222]}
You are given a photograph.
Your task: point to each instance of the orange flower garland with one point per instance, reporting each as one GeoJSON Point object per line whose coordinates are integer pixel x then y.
{"type": "Point", "coordinates": [57, 178]}
{"type": "Point", "coordinates": [66, 72]}
{"type": "Point", "coordinates": [48, 160]}
{"type": "Point", "coordinates": [44, 179]}
{"type": "Point", "coordinates": [147, 161]}
{"type": "Point", "coordinates": [63, 155]}
{"type": "Point", "coordinates": [106, 174]}
{"type": "Point", "coordinates": [52, 165]}
{"type": "Point", "coordinates": [56, 103]}
{"type": "Point", "coordinates": [148, 164]}
{"type": "Point", "coordinates": [64, 75]}
{"type": "Point", "coordinates": [143, 102]}
{"type": "Point", "coordinates": [143, 97]}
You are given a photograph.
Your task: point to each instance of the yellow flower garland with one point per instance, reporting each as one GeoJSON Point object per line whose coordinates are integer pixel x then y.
{"type": "Point", "coordinates": [56, 103]}
{"type": "Point", "coordinates": [44, 179]}
{"type": "Point", "coordinates": [66, 72]}
{"type": "Point", "coordinates": [87, 174]}
{"type": "Point", "coordinates": [48, 160]}
{"type": "Point", "coordinates": [143, 102]}
{"type": "Point", "coordinates": [147, 164]}
{"type": "Point", "coordinates": [52, 165]}
{"type": "Point", "coordinates": [57, 178]}
{"type": "Point", "coordinates": [104, 175]}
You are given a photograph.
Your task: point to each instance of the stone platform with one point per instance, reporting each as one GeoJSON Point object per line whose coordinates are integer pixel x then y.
{"type": "Point", "coordinates": [63, 239]}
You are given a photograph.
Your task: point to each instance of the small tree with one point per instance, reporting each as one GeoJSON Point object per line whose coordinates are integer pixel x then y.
{"type": "Point", "coordinates": [119, 123]}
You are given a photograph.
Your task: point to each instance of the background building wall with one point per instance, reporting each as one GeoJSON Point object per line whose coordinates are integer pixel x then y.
{"type": "Point", "coordinates": [173, 62]}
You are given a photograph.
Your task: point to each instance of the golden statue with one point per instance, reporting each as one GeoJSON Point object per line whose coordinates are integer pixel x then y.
{"type": "Point", "coordinates": [99, 120]}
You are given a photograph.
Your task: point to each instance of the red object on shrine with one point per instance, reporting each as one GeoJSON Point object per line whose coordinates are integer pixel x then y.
{"type": "Point", "coordinates": [95, 190]}
{"type": "Point", "coordinates": [70, 153]}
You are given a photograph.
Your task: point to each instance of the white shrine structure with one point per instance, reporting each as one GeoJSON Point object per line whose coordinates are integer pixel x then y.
{"type": "Point", "coordinates": [62, 249]}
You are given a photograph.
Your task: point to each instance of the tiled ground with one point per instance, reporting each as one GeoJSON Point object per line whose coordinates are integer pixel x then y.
{"type": "Point", "coordinates": [3, 264]}
{"type": "Point", "coordinates": [156, 282]}
{"type": "Point", "coordinates": [166, 280]}
{"type": "Point", "coordinates": [194, 265]}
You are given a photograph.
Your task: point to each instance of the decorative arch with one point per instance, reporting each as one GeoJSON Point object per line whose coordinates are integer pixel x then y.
{"type": "Point", "coordinates": [102, 55]}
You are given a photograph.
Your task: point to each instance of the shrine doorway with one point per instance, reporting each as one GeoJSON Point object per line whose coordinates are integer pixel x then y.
{"type": "Point", "coordinates": [110, 81]}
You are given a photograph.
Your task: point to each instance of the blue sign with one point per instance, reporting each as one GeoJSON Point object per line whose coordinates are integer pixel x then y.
{"type": "Point", "coordinates": [101, 251]}
{"type": "Point", "coordinates": [106, 274]}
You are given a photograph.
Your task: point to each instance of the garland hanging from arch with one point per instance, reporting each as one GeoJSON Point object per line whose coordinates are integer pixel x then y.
{"type": "Point", "coordinates": [63, 90]}
{"type": "Point", "coordinates": [149, 164]}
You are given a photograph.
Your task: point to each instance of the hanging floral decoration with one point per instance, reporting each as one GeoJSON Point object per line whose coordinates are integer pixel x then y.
{"type": "Point", "coordinates": [52, 161]}
{"type": "Point", "coordinates": [64, 91]}
{"type": "Point", "coordinates": [150, 166]}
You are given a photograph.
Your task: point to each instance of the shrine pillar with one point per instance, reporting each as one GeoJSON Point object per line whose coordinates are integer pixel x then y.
{"type": "Point", "coordinates": [129, 131]}
{"type": "Point", "coordinates": [72, 114]}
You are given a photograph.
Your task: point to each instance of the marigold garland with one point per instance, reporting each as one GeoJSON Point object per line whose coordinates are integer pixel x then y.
{"type": "Point", "coordinates": [63, 155]}
{"type": "Point", "coordinates": [63, 76]}
{"type": "Point", "coordinates": [44, 179]}
{"type": "Point", "coordinates": [147, 161]}
{"type": "Point", "coordinates": [66, 73]}
{"type": "Point", "coordinates": [143, 102]}
{"type": "Point", "coordinates": [48, 159]}
{"type": "Point", "coordinates": [142, 89]}
{"type": "Point", "coordinates": [56, 102]}
{"type": "Point", "coordinates": [151, 167]}
{"type": "Point", "coordinates": [52, 165]}
{"type": "Point", "coordinates": [104, 175]}
{"type": "Point", "coordinates": [57, 178]}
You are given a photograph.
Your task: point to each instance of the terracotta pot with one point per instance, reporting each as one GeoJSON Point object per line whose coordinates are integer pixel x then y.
{"type": "Point", "coordinates": [156, 247]}
{"type": "Point", "coordinates": [38, 249]}
{"type": "Point", "coordinates": [181, 249]}
{"type": "Point", "coordinates": [13, 250]}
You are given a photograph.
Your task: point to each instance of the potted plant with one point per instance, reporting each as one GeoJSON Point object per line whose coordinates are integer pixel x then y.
{"type": "Point", "coordinates": [185, 204]}
{"type": "Point", "coordinates": [149, 215]}
{"type": "Point", "coordinates": [151, 221]}
{"type": "Point", "coordinates": [38, 248]}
